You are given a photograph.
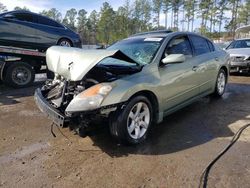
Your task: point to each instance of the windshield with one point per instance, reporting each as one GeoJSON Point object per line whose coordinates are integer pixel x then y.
{"type": "Point", "coordinates": [141, 50]}
{"type": "Point", "coordinates": [239, 44]}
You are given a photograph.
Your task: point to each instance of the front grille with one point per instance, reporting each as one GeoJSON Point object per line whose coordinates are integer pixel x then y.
{"type": "Point", "coordinates": [237, 58]}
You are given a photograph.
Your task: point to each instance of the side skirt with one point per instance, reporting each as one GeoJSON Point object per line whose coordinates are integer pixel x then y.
{"type": "Point", "coordinates": [186, 103]}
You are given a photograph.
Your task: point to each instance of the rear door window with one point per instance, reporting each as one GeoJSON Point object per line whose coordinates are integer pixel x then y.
{"type": "Point", "coordinates": [200, 45]}
{"type": "Point", "coordinates": [45, 21]}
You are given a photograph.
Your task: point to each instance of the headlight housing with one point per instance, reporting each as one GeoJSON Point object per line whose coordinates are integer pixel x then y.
{"type": "Point", "coordinates": [89, 99]}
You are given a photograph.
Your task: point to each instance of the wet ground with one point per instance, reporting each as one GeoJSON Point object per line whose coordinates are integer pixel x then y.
{"type": "Point", "coordinates": [174, 156]}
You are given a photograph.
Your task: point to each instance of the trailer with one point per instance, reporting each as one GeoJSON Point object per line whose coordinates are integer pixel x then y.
{"type": "Point", "coordinates": [18, 66]}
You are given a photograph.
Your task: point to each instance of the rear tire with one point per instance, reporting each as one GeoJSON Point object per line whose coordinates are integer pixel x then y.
{"type": "Point", "coordinates": [19, 75]}
{"type": "Point", "coordinates": [132, 124]}
{"type": "Point", "coordinates": [221, 83]}
{"type": "Point", "coordinates": [65, 42]}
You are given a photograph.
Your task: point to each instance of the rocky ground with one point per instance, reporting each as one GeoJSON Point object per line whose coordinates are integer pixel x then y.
{"type": "Point", "coordinates": [174, 155]}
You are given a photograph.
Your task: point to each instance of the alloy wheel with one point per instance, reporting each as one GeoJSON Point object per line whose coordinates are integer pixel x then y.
{"type": "Point", "coordinates": [221, 83]}
{"type": "Point", "coordinates": [65, 43]}
{"type": "Point", "coordinates": [138, 120]}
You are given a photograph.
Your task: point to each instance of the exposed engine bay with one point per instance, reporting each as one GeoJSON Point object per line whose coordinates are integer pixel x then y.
{"type": "Point", "coordinates": [60, 91]}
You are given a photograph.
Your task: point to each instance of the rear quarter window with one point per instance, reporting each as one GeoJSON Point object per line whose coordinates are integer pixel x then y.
{"type": "Point", "coordinates": [200, 44]}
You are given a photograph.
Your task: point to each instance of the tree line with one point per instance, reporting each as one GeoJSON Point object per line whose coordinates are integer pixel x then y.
{"type": "Point", "coordinates": [209, 17]}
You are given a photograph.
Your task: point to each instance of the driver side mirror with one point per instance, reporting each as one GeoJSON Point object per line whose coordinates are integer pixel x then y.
{"type": "Point", "coordinates": [8, 16]}
{"type": "Point", "coordinates": [173, 58]}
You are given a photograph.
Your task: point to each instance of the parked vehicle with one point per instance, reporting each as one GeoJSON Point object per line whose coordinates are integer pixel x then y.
{"type": "Point", "coordinates": [239, 51]}
{"type": "Point", "coordinates": [30, 30]}
{"type": "Point", "coordinates": [134, 83]}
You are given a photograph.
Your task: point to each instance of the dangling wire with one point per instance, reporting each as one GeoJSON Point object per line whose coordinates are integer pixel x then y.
{"type": "Point", "coordinates": [51, 129]}
{"type": "Point", "coordinates": [205, 174]}
{"type": "Point", "coordinates": [54, 135]}
{"type": "Point", "coordinates": [63, 134]}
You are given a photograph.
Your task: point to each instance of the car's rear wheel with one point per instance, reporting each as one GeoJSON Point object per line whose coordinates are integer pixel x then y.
{"type": "Point", "coordinates": [65, 42]}
{"type": "Point", "coordinates": [132, 124]}
{"type": "Point", "coordinates": [221, 83]}
{"type": "Point", "coordinates": [19, 75]}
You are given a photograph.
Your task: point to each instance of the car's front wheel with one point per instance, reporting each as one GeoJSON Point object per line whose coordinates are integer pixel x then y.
{"type": "Point", "coordinates": [132, 124]}
{"type": "Point", "coordinates": [220, 83]}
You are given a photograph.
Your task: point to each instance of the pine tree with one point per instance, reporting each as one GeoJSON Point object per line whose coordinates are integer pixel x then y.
{"type": "Point", "coordinates": [157, 6]}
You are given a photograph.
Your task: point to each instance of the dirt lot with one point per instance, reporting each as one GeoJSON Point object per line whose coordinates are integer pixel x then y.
{"type": "Point", "coordinates": [174, 155]}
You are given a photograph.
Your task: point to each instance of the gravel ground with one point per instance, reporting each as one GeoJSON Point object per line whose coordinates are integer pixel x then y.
{"type": "Point", "coordinates": [174, 155]}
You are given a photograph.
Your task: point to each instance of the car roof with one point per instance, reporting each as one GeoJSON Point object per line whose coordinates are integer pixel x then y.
{"type": "Point", "coordinates": [32, 13]}
{"type": "Point", "coordinates": [24, 11]}
{"type": "Point", "coordinates": [19, 11]}
{"type": "Point", "coordinates": [165, 33]}
{"type": "Point", "coordinates": [242, 39]}
{"type": "Point", "coordinates": [150, 33]}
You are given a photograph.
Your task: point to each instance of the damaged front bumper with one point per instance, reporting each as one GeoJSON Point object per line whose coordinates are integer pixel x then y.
{"type": "Point", "coordinates": [240, 66]}
{"type": "Point", "coordinates": [55, 115]}
{"type": "Point", "coordinates": [60, 119]}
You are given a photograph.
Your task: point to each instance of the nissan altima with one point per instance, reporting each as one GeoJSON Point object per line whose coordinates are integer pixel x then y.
{"type": "Point", "coordinates": [134, 82]}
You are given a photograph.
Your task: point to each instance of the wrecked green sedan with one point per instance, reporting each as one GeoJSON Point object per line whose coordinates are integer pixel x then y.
{"type": "Point", "coordinates": [134, 82]}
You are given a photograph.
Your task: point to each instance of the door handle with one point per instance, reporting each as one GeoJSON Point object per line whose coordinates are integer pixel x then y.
{"type": "Point", "coordinates": [216, 59]}
{"type": "Point", "coordinates": [195, 68]}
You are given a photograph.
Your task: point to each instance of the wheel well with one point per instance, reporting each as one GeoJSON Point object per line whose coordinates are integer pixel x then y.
{"type": "Point", "coordinates": [152, 98]}
{"type": "Point", "coordinates": [65, 39]}
{"type": "Point", "coordinates": [226, 71]}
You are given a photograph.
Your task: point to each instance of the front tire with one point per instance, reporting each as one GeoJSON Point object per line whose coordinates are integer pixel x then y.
{"type": "Point", "coordinates": [132, 124]}
{"type": "Point", "coordinates": [221, 83]}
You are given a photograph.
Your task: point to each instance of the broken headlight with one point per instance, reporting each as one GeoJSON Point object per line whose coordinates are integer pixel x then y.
{"type": "Point", "coordinates": [89, 99]}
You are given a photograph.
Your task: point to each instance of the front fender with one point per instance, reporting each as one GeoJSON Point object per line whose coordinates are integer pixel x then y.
{"type": "Point", "coordinates": [125, 88]}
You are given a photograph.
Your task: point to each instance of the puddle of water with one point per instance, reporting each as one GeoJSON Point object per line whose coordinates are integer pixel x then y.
{"type": "Point", "coordinates": [226, 95]}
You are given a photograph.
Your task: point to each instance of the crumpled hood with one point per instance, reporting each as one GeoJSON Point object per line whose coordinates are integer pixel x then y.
{"type": "Point", "coordinates": [239, 52]}
{"type": "Point", "coordinates": [74, 63]}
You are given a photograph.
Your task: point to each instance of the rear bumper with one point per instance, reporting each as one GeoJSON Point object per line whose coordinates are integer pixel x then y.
{"type": "Point", "coordinates": [53, 114]}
